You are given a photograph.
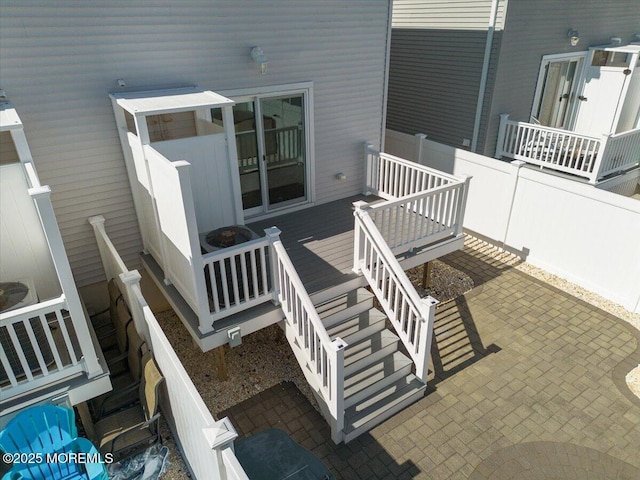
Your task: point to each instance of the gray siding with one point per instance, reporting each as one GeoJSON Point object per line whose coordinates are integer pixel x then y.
{"type": "Point", "coordinates": [535, 28]}
{"type": "Point", "coordinates": [59, 60]}
{"type": "Point", "coordinates": [437, 54]}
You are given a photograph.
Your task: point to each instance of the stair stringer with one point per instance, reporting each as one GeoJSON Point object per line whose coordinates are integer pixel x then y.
{"type": "Point", "coordinates": [336, 435]}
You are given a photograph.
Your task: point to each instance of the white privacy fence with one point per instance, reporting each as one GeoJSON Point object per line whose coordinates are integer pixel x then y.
{"type": "Point", "coordinates": [321, 358]}
{"type": "Point", "coordinates": [566, 151]}
{"type": "Point", "coordinates": [206, 444]}
{"type": "Point", "coordinates": [581, 233]}
{"type": "Point", "coordinates": [411, 316]}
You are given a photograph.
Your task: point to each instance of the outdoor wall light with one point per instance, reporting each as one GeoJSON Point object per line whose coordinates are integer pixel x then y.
{"type": "Point", "coordinates": [258, 56]}
{"type": "Point", "coordinates": [122, 83]}
{"type": "Point", "coordinates": [574, 37]}
{"type": "Point", "coordinates": [615, 40]}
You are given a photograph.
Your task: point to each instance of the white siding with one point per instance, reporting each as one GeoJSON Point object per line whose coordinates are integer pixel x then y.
{"type": "Point", "coordinates": [60, 59]}
{"type": "Point", "coordinates": [446, 14]}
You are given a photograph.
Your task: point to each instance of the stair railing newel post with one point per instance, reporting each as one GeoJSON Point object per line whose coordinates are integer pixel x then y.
{"type": "Point", "coordinates": [600, 157]}
{"type": "Point", "coordinates": [370, 169]}
{"type": "Point", "coordinates": [358, 248]}
{"type": "Point", "coordinates": [338, 347]}
{"type": "Point", "coordinates": [428, 311]}
{"type": "Point", "coordinates": [273, 233]}
{"type": "Point", "coordinates": [462, 203]}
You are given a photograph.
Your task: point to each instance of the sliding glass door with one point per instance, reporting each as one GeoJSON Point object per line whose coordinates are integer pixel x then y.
{"type": "Point", "coordinates": [272, 152]}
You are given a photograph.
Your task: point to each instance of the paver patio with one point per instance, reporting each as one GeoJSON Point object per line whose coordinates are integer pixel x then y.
{"type": "Point", "coordinates": [528, 382]}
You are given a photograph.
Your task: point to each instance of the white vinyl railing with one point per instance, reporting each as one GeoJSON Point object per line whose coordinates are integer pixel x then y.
{"type": "Point", "coordinates": [411, 316]}
{"type": "Point", "coordinates": [207, 444]}
{"type": "Point", "coordinates": [422, 205]}
{"type": "Point", "coordinates": [620, 151]}
{"type": "Point", "coordinates": [322, 358]}
{"type": "Point", "coordinates": [237, 277]}
{"type": "Point", "coordinates": [391, 177]}
{"type": "Point", "coordinates": [37, 347]}
{"type": "Point", "coordinates": [566, 151]}
{"type": "Point", "coordinates": [420, 218]}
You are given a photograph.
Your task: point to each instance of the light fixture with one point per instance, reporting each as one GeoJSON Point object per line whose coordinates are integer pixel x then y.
{"type": "Point", "coordinates": [574, 37]}
{"type": "Point", "coordinates": [615, 40]}
{"type": "Point", "coordinates": [258, 56]}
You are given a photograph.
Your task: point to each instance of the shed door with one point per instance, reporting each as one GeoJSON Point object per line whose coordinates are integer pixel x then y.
{"type": "Point", "coordinates": [605, 84]}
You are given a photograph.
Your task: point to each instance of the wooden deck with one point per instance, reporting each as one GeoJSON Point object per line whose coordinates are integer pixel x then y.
{"type": "Point", "coordinates": [319, 241]}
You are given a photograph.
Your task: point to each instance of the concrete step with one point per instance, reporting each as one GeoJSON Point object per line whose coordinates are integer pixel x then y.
{"type": "Point", "coordinates": [374, 377]}
{"type": "Point", "coordinates": [357, 328]}
{"type": "Point", "coordinates": [345, 306]}
{"type": "Point", "coordinates": [372, 411]}
{"type": "Point", "coordinates": [368, 351]}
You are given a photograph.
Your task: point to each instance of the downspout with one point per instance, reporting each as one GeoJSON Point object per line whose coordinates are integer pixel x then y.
{"type": "Point", "coordinates": [385, 91]}
{"type": "Point", "coordinates": [485, 73]}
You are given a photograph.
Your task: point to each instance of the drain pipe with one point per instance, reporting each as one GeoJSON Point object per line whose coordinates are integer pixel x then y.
{"type": "Point", "coordinates": [485, 73]}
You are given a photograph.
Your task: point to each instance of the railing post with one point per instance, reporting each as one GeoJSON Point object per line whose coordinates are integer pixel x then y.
{"type": "Point", "coordinates": [426, 335]}
{"type": "Point", "coordinates": [42, 198]}
{"type": "Point", "coordinates": [368, 169]}
{"type": "Point", "coordinates": [130, 279]}
{"type": "Point", "coordinates": [358, 207]}
{"type": "Point", "coordinates": [337, 387]}
{"type": "Point", "coordinates": [599, 163]}
{"type": "Point", "coordinates": [419, 138]}
{"type": "Point", "coordinates": [462, 205]}
{"type": "Point", "coordinates": [501, 134]}
{"type": "Point", "coordinates": [273, 234]}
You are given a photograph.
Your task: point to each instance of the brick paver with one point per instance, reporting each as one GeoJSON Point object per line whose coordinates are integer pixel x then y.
{"type": "Point", "coordinates": [528, 382]}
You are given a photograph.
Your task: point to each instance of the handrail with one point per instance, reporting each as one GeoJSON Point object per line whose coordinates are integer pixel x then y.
{"type": "Point", "coordinates": [237, 277]}
{"type": "Point", "coordinates": [411, 316]}
{"type": "Point", "coordinates": [324, 357]}
{"type": "Point", "coordinates": [392, 177]}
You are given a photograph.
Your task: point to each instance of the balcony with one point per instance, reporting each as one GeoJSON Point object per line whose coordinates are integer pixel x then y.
{"type": "Point", "coordinates": [569, 152]}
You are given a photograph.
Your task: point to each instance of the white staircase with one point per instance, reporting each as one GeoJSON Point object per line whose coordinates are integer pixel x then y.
{"type": "Point", "coordinates": [377, 377]}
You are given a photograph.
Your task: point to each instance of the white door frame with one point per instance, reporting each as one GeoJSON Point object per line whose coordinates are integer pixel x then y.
{"type": "Point", "coordinates": [255, 95]}
{"type": "Point", "coordinates": [579, 76]}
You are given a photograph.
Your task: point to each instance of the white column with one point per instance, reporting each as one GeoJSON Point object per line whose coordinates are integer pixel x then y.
{"type": "Point", "coordinates": [42, 198]}
{"type": "Point", "coordinates": [273, 234]}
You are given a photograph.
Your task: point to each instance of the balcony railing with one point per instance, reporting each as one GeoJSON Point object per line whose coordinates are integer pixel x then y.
{"type": "Point", "coordinates": [588, 157]}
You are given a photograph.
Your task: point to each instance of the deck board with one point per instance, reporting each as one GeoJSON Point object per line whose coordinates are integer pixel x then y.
{"type": "Point", "coordinates": [319, 241]}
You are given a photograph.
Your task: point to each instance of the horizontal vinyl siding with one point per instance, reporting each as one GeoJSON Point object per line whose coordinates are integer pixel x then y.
{"type": "Point", "coordinates": [535, 28]}
{"type": "Point", "coordinates": [446, 14]}
{"type": "Point", "coordinates": [60, 60]}
{"type": "Point", "coordinates": [434, 76]}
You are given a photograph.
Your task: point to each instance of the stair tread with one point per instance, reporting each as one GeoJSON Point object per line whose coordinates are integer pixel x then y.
{"type": "Point", "coordinates": [343, 301]}
{"type": "Point", "coordinates": [381, 402]}
{"type": "Point", "coordinates": [370, 344]}
{"type": "Point", "coordinates": [356, 323]}
{"type": "Point", "coordinates": [371, 374]}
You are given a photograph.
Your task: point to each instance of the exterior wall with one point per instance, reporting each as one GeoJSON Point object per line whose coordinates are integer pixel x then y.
{"type": "Point", "coordinates": [60, 61]}
{"type": "Point", "coordinates": [436, 62]}
{"type": "Point", "coordinates": [535, 28]}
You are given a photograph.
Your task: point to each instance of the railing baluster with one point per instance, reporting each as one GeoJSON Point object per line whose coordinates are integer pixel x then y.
{"type": "Point", "coordinates": [225, 288]}
{"type": "Point", "coordinates": [65, 335]}
{"type": "Point", "coordinates": [50, 341]}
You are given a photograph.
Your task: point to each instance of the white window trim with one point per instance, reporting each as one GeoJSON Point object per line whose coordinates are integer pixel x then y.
{"type": "Point", "coordinates": [305, 88]}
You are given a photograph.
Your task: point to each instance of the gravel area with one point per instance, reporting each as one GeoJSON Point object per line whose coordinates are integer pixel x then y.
{"type": "Point", "coordinates": [264, 359]}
